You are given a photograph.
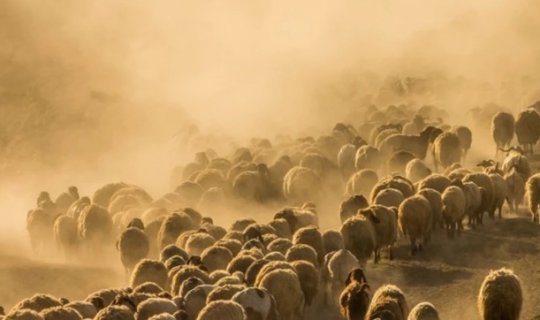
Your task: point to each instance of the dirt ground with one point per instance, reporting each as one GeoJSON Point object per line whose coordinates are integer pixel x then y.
{"type": "Point", "coordinates": [447, 273]}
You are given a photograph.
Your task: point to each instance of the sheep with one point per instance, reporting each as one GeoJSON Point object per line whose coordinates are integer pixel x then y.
{"type": "Point", "coordinates": [397, 182]}
{"type": "Point", "coordinates": [283, 230]}
{"type": "Point", "coordinates": [172, 227]}
{"type": "Point", "coordinates": [435, 200]}
{"type": "Point", "coordinates": [302, 184]}
{"type": "Point", "coordinates": [502, 130]}
{"type": "Point", "coordinates": [532, 191]}
{"type": "Point", "coordinates": [66, 236]}
{"type": "Point", "coordinates": [415, 221]}
{"type": "Point", "coordinates": [232, 244]}
{"type": "Point", "coordinates": [39, 224]}
{"type": "Point", "coordinates": [464, 135]}
{"type": "Point", "coordinates": [76, 207]}
{"type": "Point", "coordinates": [416, 170]}
{"type": "Point", "coordinates": [367, 157]}
{"type": "Point", "coordinates": [102, 298]}
{"type": "Point", "coordinates": [23, 314]}
{"type": "Point", "coordinates": [275, 256]}
{"type": "Point", "coordinates": [216, 258]}
{"type": "Point", "coordinates": [308, 274]}
{"type": "Point", "coordinates": [187, 285]}
{"type": "Point", "coordinates": [389, 197]}
{"type": "Point", "coordinates": [424, 311]}
{"type": "Point", "coordinates": [253, 185]}
{"type": "Point", "coordinates": [85, 309]}
{"type": "Point", "coordinates": [258, 304]}
{"type": "Point", "coordinates": [149, 288]}
{"type": "Point", "coordinates": [222, 310]}
{"type": "Point", "coordinates": [336, 269]}
{"type": "Point", "coordinates": [60, 313]}
{"type": "Point", "coordinates": [240, 263]}
{"type": "Point", "coordinates": [389, 298]}
{"type": "Point", "coordinates": [155, 306]}
{"type": "Point", "coordinates": [345, 160]}
{"type": "Point", "coordinates": [115, 313]}
{"type": "Point", "coordinates": [385, 228]}
{"type": "Point", "coordinates": [133, 246]}
{"type": "Point", "coordinates": [197, 242]}
{"type": "Point", "coordinates": [217, 275]}
{"type": "Point", "coordinates": [434, 181]}
{"type": "Point", "coordinates": [527, 128]}
{"type": "Point", "coordinates": [190, 192]}
{"type": "Point", "coordinates": [285, 286]}
{"type": "Point", "coordinates": [302, 252]}
{"type": "Point", "coordinates": [446, 150]}
{"type": "Point", "coordinates": [500, 296]}
{"type": "Point", "coordinates": [66, 199]}
{"type": "Point", "coordinates": [179, 275]}
{"type": "Point", "coordinates": [224, 292]}
{"type": "Point", "coordinates": [103, 195]}
{"type": "Point", "coordinates": [397, 162]}
{"type": "Point", "coordinates": [95, 226]}
{"type": "Point", "coordinates": [453, 210]}
{"type": "Point", "coordinates": [519, 162]}
{"type": "Point", "coordinates": [355, 299]}
{"type": "Point", "coordinates": [38, 302]}
{"type": "Point", "coordinates": [378, 129]}
{"type": "Point", "coordinates": [361, 182]}
{"type": "Point", "coordinates": [195, 300]}
{"type": "Point", "coordinates": [500, 192]}
{"type": "Point", "coordinates": [516, 189]}
{"type": "Point", "coordinates": [359, 237]}
{"type": "Point", "coordinates": [149, 271]}
{"type": "Point", "coordinates": [171, 251]}
{"type": "Point", "coordinates": [332, 241]}
{"type": "Point", "coordinates": [310, 236]}
{"type": "Point", "coordinates": [483, 180]}
{"type": "Point", "coordinates": [415, 144]}
{"type": "Point", "coordinates": [280, 245]}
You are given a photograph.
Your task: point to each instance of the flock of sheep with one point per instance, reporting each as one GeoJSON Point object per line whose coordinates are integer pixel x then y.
{"type": "Point", "coordinates": [400, 174]}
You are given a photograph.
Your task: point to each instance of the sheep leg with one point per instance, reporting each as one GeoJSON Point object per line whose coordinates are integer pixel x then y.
{"type": "Point", "coordinates": [413, 246]}
{"type": "Point", "coordinates": [391, 252]}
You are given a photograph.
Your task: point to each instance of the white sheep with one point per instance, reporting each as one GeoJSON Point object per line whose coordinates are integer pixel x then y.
{"type": "Point", "coordinates": [115, 313]}
{"type": "Point", "coordinates": [359, 237]}
{"type": "Point", "coordinates": [389, 197]}
{"type": "Point", "coordinates": [415, 221]}
{"type": "Point", "coordinates": [391, 299]}
{"type": "Point", "coordinates": [284, 285]}
{"type": "Point", "coordinates": [516, 189]}
{"type": "Point", "coordinates": [258, 303]}
{"type": "Point", "coordinates": [532, 189]}
{"type": "Point", "coordinates": [386, 228]}
{"type": "Point", "coordinates": [424, 311]}
{"type": "Point", "coordinates": [435, 200]}
{"type": "Point", "coordinates": [447, 150]}
{"type": "Point", "coordinates": [155, 306]}
{"type": "Point", "coordinates": [416, 170]}
{"type": "Point", "coordinates": [336, 269]}
{"type": "Point", "coordinates": [133, 246]}
{"type": "Point", "coordinates": [361, 182]}
{"type": "Point", "coordinates": [500, 296]}
{"type": "Point", "coordinates": [149, 271]}
{"type": "Point", "coordinates": [453, 211]}
{"type": "Point", "coordinates": [222, 310]}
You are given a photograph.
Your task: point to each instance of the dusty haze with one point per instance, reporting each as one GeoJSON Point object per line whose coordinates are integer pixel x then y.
{"type": "Point", "coordinates": [94, 92]}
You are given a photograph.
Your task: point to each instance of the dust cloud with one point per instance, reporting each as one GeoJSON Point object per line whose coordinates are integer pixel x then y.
{"type": "Point", "coordinates": [95, 92]}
